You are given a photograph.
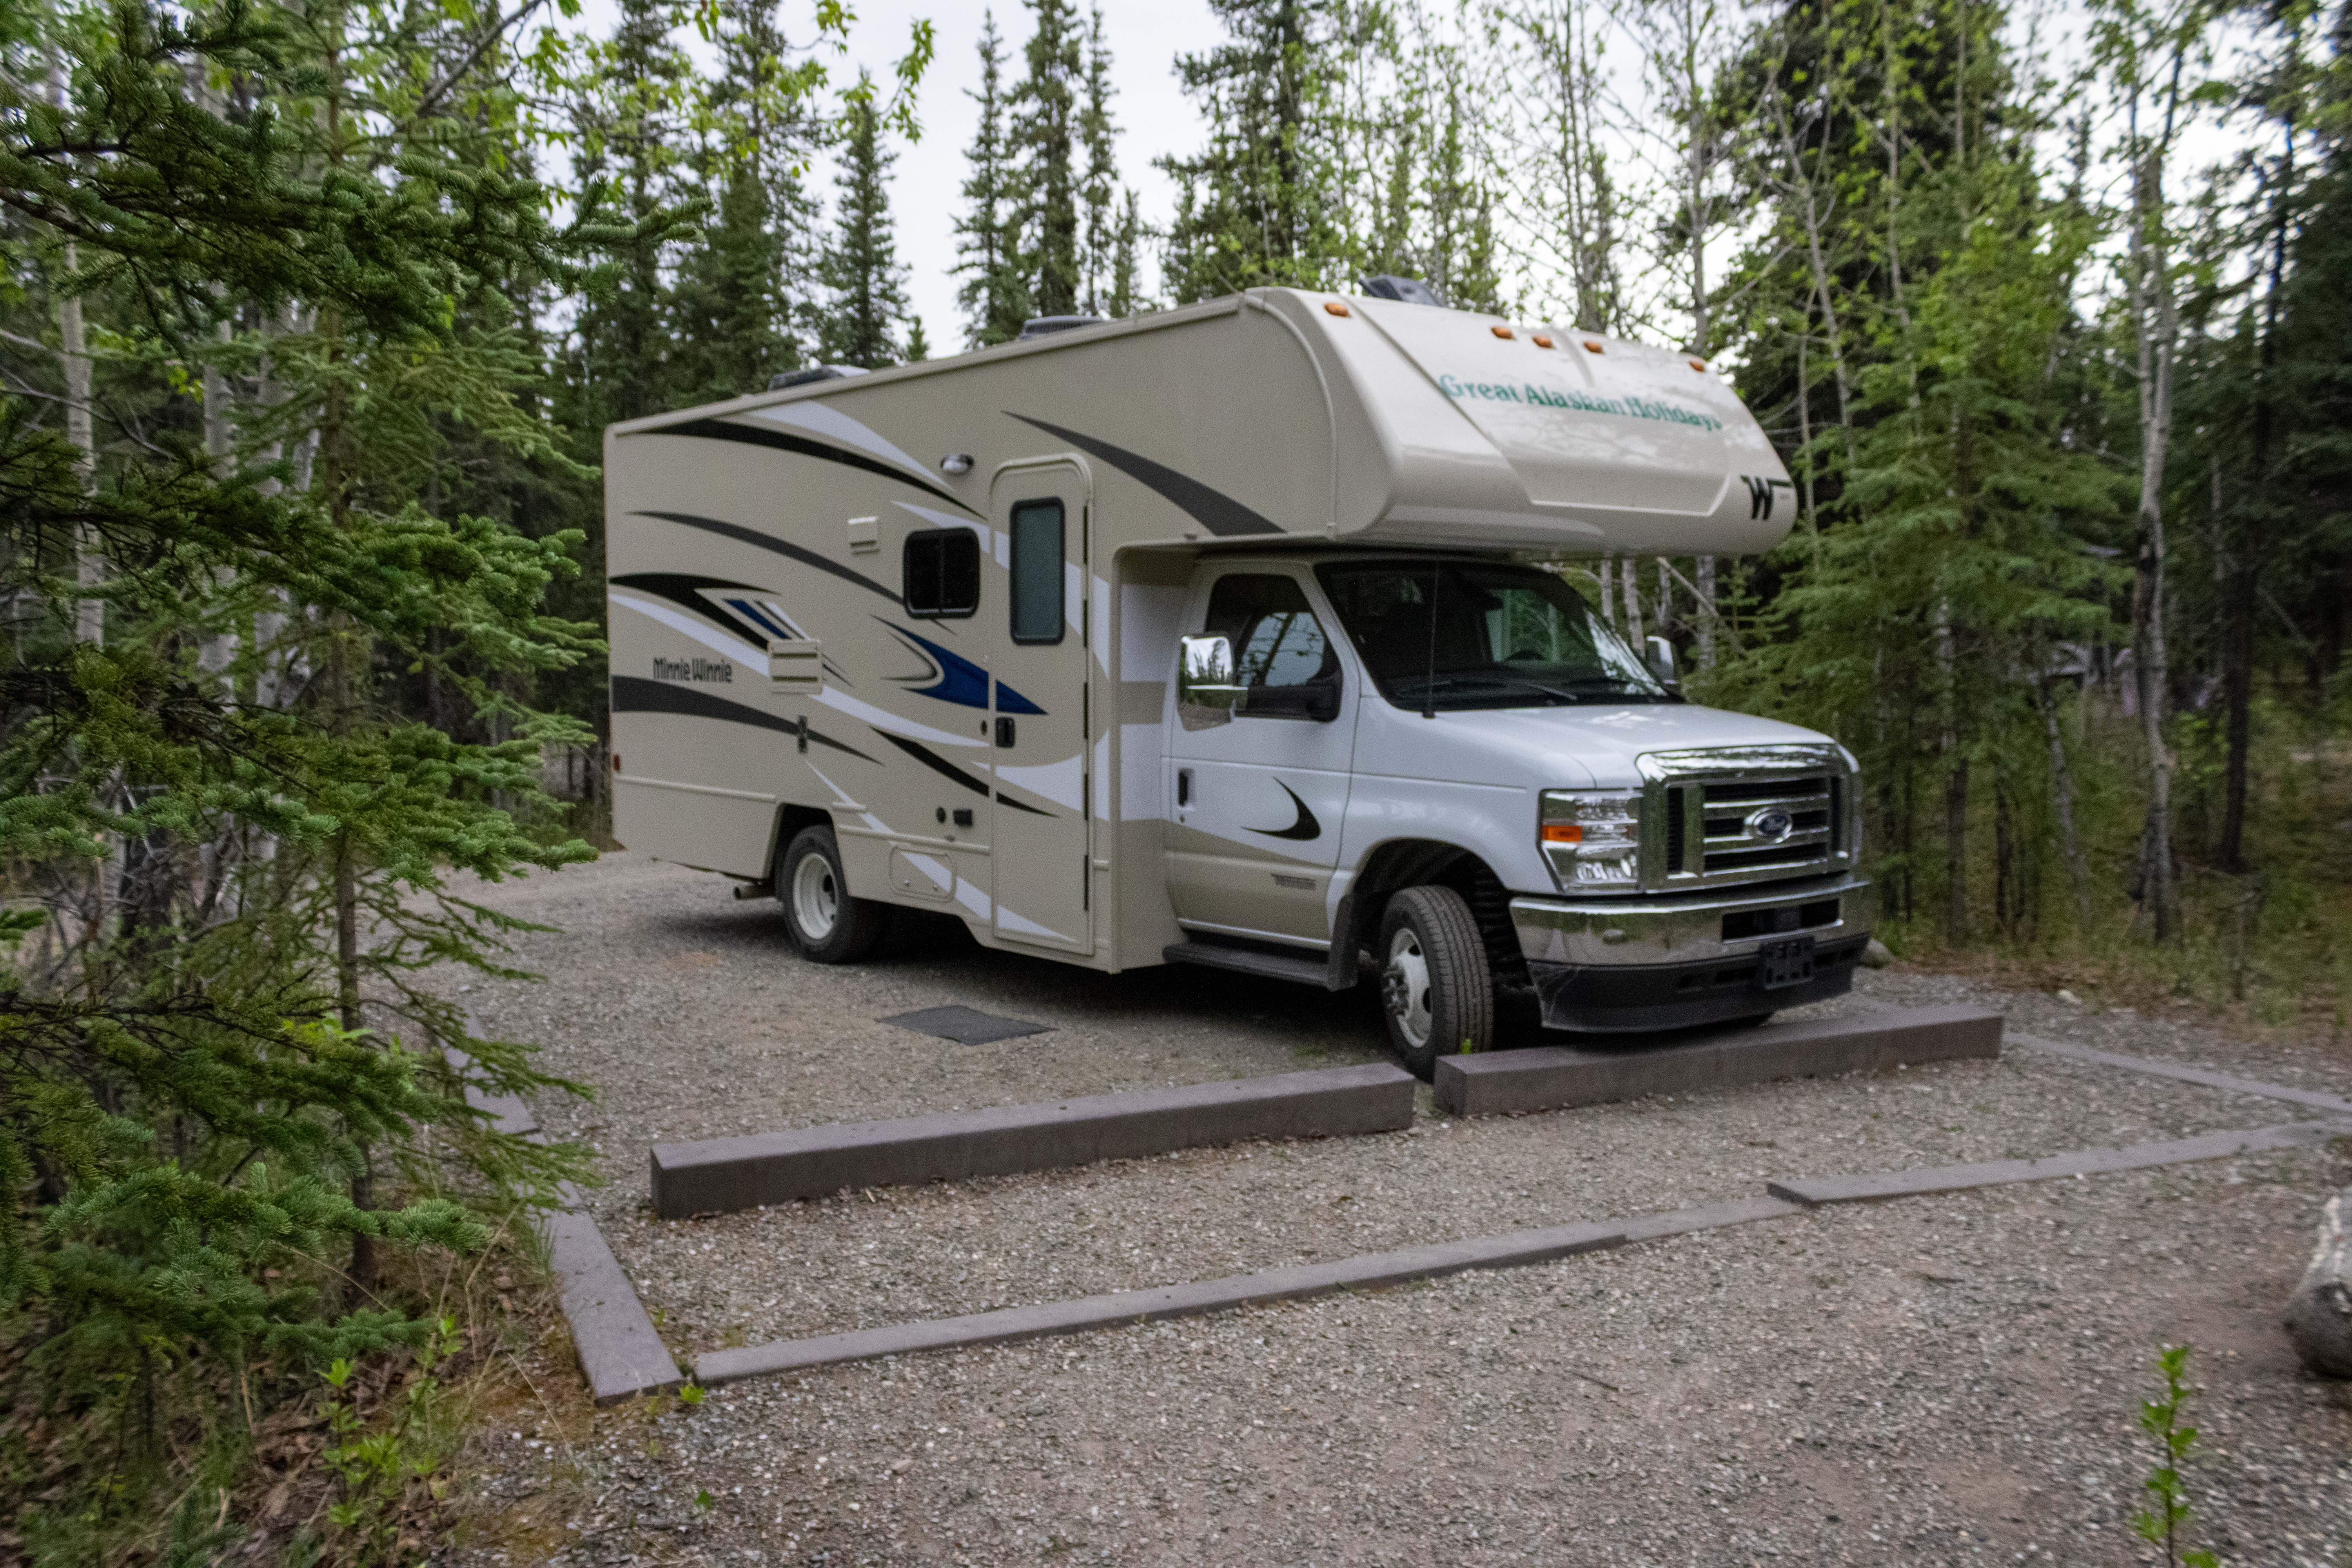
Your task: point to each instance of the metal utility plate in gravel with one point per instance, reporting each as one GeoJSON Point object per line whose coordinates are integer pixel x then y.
{"type": "Point", "coordinates": [964, 1025]}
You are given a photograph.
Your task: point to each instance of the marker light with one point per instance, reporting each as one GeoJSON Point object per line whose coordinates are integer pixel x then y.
{"type": "Point", "coordinates": [1562, 833]}
{"type": "Point", "coordinates": [1500, 331]}
{"type": "Point", "coordinates": [1333, 307]}
{"type": "Point", "coordinates": [1592, 345]}
{"type": "Point", "coordinates": [1698, 364]}
{"type": "Point", "coordinates": [1542, 341]}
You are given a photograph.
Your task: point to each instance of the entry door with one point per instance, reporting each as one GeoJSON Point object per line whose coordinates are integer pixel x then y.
{"type": "Point", "coordinates": [1257, 797]}
{"type": "Point", "coordinates": [1041, 729]}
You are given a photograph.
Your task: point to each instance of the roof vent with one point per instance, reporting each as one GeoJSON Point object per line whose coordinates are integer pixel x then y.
{"type": "Point", "coordinates": [1406, 291]}
{"type": "Point", "coordinates": [783, 379]}
{"type": "Point", "coordinates": [1042, 326]}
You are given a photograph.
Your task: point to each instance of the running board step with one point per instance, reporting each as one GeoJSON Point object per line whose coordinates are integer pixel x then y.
{"type": "Point", "coordinates": [1273, 965]}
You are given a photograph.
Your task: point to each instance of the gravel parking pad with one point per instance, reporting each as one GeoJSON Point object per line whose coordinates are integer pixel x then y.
{"type": "Point", "coordinates": [1954, 1379]}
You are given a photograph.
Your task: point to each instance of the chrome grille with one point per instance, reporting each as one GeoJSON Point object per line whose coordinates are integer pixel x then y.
{"type": "Point", "coordinates": [1750, 815]}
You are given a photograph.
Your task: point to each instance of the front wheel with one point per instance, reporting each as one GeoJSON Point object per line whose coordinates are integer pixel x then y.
{"type": "Point", "coordinates": [827, 925]}
{"type": "Point", "coordinates": [1435, 991]}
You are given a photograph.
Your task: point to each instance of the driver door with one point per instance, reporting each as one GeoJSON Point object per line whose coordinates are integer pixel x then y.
{"type": "Point", "coordinates": [1257, 792]}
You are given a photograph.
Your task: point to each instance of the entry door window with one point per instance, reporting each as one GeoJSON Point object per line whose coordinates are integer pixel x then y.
{"type": "Point", "coordinates": [1280, 651]}
{"type": "Point", "coordinates": [1038, 570]}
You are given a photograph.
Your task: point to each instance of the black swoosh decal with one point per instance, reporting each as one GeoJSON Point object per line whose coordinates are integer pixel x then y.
{"type": "Point", "coordinates": [1305, 828]}
{"type": "Point", "coordinates": [1218, 512]}
{"type": "Point", "coordinates": [636, 694]}
{"type": "Point", "coordinates": [759, 540]}
{"type": "Point", "coordinates": [680, 589]}
{"type": "Point", "coordinates": [947, 770]}
{"type": "Point", "coordinates": [806, 447]}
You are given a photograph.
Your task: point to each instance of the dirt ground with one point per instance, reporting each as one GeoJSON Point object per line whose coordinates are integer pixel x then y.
{"type": "Point", "coordinates": [1943, 1380]}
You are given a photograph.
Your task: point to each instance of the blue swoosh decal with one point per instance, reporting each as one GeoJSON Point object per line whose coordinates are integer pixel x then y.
{"type": "Point", "coordinates": [961, 681]}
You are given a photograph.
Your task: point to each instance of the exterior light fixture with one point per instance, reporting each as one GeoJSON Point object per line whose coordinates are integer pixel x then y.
{"type": "Point", "coordinates": [956, 463]}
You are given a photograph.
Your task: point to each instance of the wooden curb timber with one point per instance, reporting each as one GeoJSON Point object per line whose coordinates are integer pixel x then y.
{"type": "Point", "coordinates": [1552, 1077]}
{"type": "Point", "coordinates": [1371, 1272]}
{"type": "Point", "coordinates": [722, 1173]}
{"type": "Point", "coordinates": [620, 1354]}
{"type": "Point", "coordinates": [1376, 1270]}
{"type": "Point", "coordinates": [2183, 1072]}
{"type": "Point", "coordinates": [1876, 1188]}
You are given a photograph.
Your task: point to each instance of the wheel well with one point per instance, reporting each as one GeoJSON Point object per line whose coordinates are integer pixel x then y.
{"type": "Point", "coordinates": [790, 820]}
{"type": "Point", "coordinates": [1424, 862]}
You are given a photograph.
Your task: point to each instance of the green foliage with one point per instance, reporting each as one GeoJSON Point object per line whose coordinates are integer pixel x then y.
{"type": "Point", "coordinates": [2162, 1523]}
{"type": "Point", "coordinates": [380, 1467]}
{"type": "Point", "coordinates": [994, 293]}
{"type": "Point", "coordinates": [861, 267]}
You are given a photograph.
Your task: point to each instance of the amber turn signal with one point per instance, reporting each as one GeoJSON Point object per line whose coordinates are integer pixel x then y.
{"type": "Point", "coordinates": [1562, 833]}
{"type": "Point", "coordinates": [1333, 307]}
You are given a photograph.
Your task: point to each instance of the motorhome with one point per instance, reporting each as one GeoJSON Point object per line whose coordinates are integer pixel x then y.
{"type": "Point", "coordinates": [1239, 636]}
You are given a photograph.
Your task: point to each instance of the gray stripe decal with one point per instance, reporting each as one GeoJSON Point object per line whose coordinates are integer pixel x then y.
{"type": "Point", "coordinates": [1218, 512]}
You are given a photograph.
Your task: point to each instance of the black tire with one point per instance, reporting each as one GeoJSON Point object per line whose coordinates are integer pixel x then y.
{"type": "Point", "coordinates": [1436, 994]}
{"type": "Point", "coordinates": [827, 925]}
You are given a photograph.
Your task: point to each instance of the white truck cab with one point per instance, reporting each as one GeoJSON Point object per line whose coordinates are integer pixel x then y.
{"type": "Point", "coordinates": [1232, 638]}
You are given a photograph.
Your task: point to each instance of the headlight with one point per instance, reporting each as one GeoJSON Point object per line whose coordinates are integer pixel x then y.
{"type": "Point", "coordinates": [1592, 837]}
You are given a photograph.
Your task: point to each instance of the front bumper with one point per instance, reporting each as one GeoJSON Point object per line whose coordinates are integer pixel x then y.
{"type": "Point", "coordinates": [1608, 965]}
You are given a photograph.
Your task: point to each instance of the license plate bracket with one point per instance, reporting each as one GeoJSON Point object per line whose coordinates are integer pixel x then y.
{"type": "Point", "coordinates": [1784, 962]}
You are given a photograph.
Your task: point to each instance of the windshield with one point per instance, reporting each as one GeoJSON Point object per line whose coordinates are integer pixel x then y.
{"type": "Point", "coordinates": [1501, 636]}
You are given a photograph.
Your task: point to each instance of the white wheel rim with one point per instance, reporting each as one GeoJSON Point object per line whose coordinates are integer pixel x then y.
{"type": "Point", "coordinates": [816, 897]}
{"type": "Point", "coordinates": [1406, 986]}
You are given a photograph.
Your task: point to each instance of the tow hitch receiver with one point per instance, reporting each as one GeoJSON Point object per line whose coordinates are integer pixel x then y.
{"type": "Point", "coordinates": [1784, 962]}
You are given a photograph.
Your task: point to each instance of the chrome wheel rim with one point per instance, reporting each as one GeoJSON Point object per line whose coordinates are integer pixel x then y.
{"type": "Point", "coordinates": [816, 897]}
{"type": "Point", "coordinates": [1405, 987]}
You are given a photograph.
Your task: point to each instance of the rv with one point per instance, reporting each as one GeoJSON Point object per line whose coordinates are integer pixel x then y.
{"type": "Point", "coordinates": [1235, 635]}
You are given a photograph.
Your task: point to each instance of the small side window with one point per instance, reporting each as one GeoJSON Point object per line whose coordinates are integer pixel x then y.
{"type": "Point", "coordinates": [941, 573]}
{"type": "Point", "coordinates": [1037, 571]}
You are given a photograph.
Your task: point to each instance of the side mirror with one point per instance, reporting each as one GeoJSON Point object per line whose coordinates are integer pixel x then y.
{"type": "Point", "coordinates": [1205, 692]}
{"type": "Point", "coordinates": [1661, 660]}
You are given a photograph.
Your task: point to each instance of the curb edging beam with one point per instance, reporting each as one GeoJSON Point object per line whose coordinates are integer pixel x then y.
{"type": "Point", "coordinates": [1793, 1196]}
{"type": "Point", "coordinates": [620, 1354]}
{"type": "Point", "coordinates": [2184, 1072]}
{"type": "Point", "coordinates": [1878, 1186]}
{"type": "Point", "coordinates": [1553, 1077]}
{"type": "Point", "coordinates": [722, 1173]}
{"type": "Point", "coordinates": [1371, 1272]}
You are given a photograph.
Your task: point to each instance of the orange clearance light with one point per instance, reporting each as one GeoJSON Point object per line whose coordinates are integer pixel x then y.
{"type": "Point", "coordinates": [1592, 345]}
{"type": "Point", "coordinates": [1542, 341]}
{"type": "Point", "coordinates": [1698, 364]}
{"type": "Point", "coordinates": [1333, 307]}
{"type": "Point", "coordinates": [1500, 331]}
{"type": "Point", "coordinates": [1562, 833]}
{"type": "Point", "coordinates": [616, 762]}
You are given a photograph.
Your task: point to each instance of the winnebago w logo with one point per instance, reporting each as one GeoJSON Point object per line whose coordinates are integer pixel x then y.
{"type": "Point", "coordinates": [1759, 494]}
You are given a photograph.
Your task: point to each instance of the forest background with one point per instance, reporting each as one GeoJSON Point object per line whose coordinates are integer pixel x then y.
{"type": "Point", "coordinates": [313, 312]}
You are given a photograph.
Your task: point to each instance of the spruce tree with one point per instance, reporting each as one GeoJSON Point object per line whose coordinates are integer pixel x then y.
{"type": "Point", "coordinates": [1045, 132]}
{"type": "Point", "coordinates": [1100, 189]}
{"type": "Point", "coordinates": [742, 290]}
{"type": "Point", "coordinates": [217, 1056]}
{"type": "Point", "coordinates": [1126, 256]}
{"type": "Point", "coordinates": [1259, 211]}
{"type": "Point", "coordinates": [861, 271]}
{"type": "Point", "coordinates": [994, 293]}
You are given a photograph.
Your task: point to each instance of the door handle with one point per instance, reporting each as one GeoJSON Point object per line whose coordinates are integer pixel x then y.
{"type": "Point", "coordinates": [1183, 786]}
{"type": "Point", "coordinates": [1004, 732]}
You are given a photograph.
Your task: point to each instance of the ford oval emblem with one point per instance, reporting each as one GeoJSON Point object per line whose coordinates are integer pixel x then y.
{"type": "Point", "coordinates": [1771, 825]}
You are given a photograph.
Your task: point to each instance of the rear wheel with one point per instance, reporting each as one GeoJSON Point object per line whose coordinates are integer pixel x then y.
{"type": "Point", "coordinates": [1435, 991]}
{"type": "Point", "coordinates": [827, 925]}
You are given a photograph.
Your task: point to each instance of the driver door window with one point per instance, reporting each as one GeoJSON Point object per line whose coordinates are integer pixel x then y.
{"type": "Point", "coordinates": [1280, 650]}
